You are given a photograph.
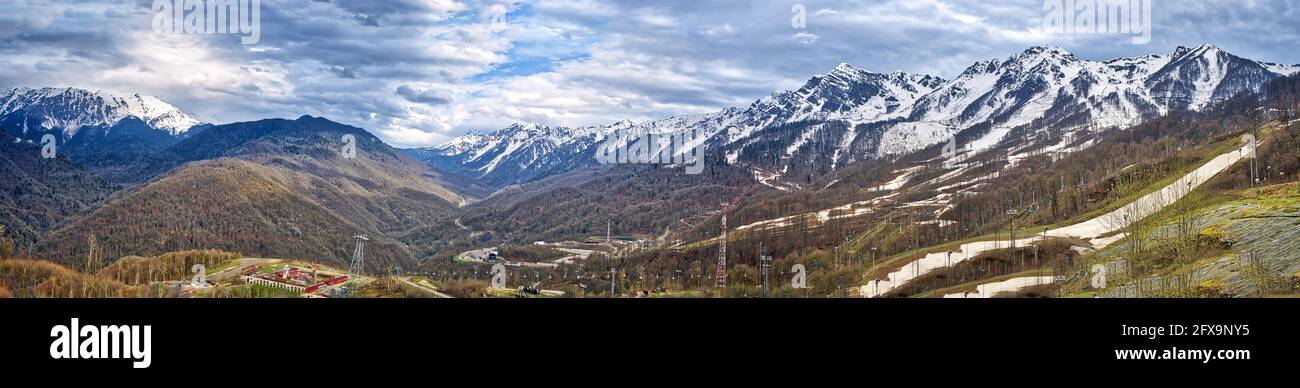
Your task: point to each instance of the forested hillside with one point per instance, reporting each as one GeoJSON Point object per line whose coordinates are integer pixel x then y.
{"type": "Point", "coordinates": [37, 194]}
{"type": "Point", "coordinates": [274, 188]}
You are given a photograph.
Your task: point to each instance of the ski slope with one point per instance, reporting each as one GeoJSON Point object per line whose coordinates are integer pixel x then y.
{"type": "Point", "coordinates": [1010, 285]}
{"type": "Point", "coordinates": [1091, 230]}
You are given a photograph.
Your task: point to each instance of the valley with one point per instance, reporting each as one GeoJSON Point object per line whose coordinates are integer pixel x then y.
{"type": "Point", "coordinates": [407, 188]}
{"type": "Point", "coordinates": [861, 184]}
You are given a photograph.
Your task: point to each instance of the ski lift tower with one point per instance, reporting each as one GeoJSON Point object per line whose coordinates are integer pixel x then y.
{"type": "Point", "coordinates": [359, 255]}
{"type": "Point", "coordinates": [722, 244]}
{"type": "Point", "coordinates": [722, 251]}
{"type": "Point", "coordinates": [1014, 214]}
{"type": "Point", "coordinates": [764, 265]}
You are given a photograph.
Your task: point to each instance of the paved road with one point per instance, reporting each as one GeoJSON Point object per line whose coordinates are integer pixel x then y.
{"type": "Point", "coordinates": [479, 255]}
{"type": "Point", "coordinates": [581, 254]}
{"type": "Point", "coordinates": [435, 292]}
{"type": "Point", "coordinates": [229, 273]}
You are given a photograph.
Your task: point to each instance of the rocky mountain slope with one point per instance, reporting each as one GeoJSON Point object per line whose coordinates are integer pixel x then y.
{"type": "Point", "coordinates": [850, 115]}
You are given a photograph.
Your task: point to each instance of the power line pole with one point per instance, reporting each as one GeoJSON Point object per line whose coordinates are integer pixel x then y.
{"type": "Point", "coordinates": [765, 264]}
{"type": "Point", "coordinates": [722, 251]}
{"type": "Point", "coordinates": [613, 281]}
{"type": "Point", "coordinates": [359, 255]}
{"type": "Point", "coordinates": [1014, 214]}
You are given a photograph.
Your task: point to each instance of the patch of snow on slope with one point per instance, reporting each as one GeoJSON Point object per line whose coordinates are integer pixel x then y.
{"type": "Point", "coordinates": [898, 182]}
{"type": "Point", "coordinates": [846, 143]}
{"type": "Point", "coordinates": [991, 139]}
{"type": "Point", "coordinates": [990, 290]}
{"type": "Point", "coordinates": [910, 136]}
{"type": "Point", "coordinates": [1088, 230]}
{"type": "Point", "coordinates": [854, 209]}
{"type": "Point", "coordinates": [1209, 80]}
{"type": "Point", "coordinates": [933, 262]}
{"type": "Point", "coordinates": [510, 149]}
{"type": "Point", "coordinates": [1282, 69]}
{"type": "Point", "coordinates": [803, 139]}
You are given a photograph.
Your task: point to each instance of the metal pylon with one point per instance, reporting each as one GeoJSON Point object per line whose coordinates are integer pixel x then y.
{"type": "Point", "coordinates": [359, 255]}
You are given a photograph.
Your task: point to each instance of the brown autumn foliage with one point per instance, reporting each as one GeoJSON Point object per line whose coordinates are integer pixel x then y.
{"type": "Point", "coordinates": [25, 278]}
{"type": "Point", "coordinates": [466, 288]}
{"type": "Point", "coordinates": [229, 205]}
{"type": "Point", "coordinates": [37, 194]}
{"type": "Point", "coordinates": [136, 270]}
{"type": "Point", "coordinates": [530, 253]}
{"type": "Point", "coordinates": [271, 188]}
{"type": "Point", "coordinates": [6, 247]}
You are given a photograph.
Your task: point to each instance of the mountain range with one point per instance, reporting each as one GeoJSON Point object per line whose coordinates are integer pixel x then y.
{"type": "Point", "coordinates": [103, 131]}
{"type": "Point", "coordinates": [29, 111]}
{"type": "Point", "coordinates": [144, 178]}
{"type": "Point", "coordinates": [850, 115]}
{"type": "Point", "coordinates": [278, 188]}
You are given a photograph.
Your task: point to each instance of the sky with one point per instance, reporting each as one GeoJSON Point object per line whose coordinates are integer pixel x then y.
{"type": "Point", "coordinates": [419, 72]}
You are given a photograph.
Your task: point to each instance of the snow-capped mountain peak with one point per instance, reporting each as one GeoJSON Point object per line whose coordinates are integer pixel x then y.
{"type": "Point", "coordinates": [70, 109]}
{"type": "Point", "coordinates": [847, 92]}
{"type": "Point", "coordinates": [845, 68]}
{"type": "Point", "coordinates": [1041, 80]}
{"type": "Point", "coordinates": [1198, 50]}
{"type": "Point", "coordinates": [1047, 50]}
{"type": "Point", "coordinates": [850, 114]}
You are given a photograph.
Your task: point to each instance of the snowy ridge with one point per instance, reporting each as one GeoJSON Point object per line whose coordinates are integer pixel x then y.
{"type": "Point", "coordinates": [516, 153]}
{"type": "Point", "coordinates": [1045, 81]}
{"type": "Point", "coordinates": [1281, 69]}
{"type": "Point", "coordinates": [846, 93]}
{"type": "Point", "coordinates": [883, 115]}
{"type": "Point", "coordinates": [70, 109]}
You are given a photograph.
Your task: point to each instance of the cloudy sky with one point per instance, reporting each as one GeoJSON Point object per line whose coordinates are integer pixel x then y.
{"type": "Point", "coordinates": [417, 72]}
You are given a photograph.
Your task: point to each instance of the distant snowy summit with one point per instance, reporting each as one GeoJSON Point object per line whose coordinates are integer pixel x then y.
{"type": "Point", "coordinates": [849, 114]}
{"type": "Point", "coordinates": [68, 110]}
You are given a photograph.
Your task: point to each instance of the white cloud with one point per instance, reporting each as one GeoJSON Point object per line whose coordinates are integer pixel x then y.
{"type": "Point", "coordinates": [804, 37]}
{"type": "Point", "coordinates": [560, 62]}
{"type": "Point", "coordinates": [655, 18]}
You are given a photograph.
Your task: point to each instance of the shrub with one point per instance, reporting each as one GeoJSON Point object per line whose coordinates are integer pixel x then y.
{"type": "Point", "coordinates": [169, 266]}
{"type": "Point", "coordinates": [1213, 238]}
{"type": "Point", "coordinates": [43, 279]}
{"type": "Point", "coordinates": [467, 288]}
